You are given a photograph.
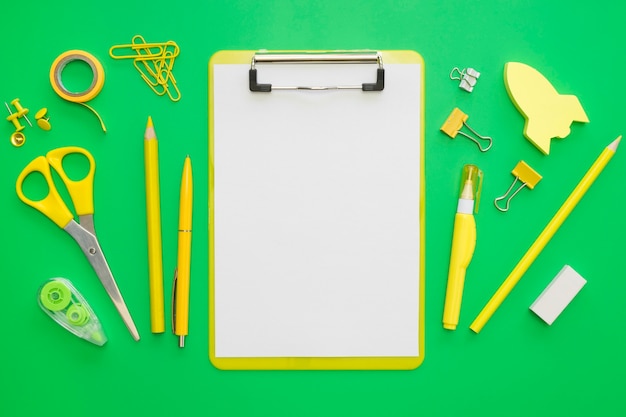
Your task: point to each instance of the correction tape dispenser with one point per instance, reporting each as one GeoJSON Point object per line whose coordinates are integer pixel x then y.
{"type": "Point", "coordinates": [59, 299]}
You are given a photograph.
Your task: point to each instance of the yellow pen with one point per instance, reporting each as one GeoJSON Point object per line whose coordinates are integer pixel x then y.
{"type": "Point", "coordinates": [180, 293]}
{"type": "Point", "coordinates": [463, 243]}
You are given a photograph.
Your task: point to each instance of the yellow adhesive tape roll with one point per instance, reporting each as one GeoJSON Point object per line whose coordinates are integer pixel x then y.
{"type": "Point", "coordinates": [80, 97]}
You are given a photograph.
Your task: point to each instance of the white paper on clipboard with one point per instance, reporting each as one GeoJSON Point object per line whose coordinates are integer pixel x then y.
{"type": "Point", "coordinates": [317, 214]}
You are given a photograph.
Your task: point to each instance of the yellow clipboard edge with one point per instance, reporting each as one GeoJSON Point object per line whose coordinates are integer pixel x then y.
{"type": "Point", "coordinates": [329, 363]}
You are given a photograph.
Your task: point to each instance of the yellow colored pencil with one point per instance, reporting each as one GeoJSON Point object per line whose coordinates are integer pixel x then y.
{"type": "Point", "coordinates": [153, 210]}
{"type": "Point", "coordinates": [544, 237]}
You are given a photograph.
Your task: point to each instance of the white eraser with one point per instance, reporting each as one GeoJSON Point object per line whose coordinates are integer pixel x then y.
{"type": "Point", "coordinates": [558, 294]}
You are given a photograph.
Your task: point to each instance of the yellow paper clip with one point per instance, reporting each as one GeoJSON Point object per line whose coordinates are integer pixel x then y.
{"type": "Point", "coordinates": [160, 79]}
{"type": "Point", "coordinates": [526, 175]}
{"type": "Point", "coordinates": [144, 50]}
{"type": "Point", "coordinates": [159, 70]}
{"type": "Point", "coordinates": [154, 62]}
{"type": "Point", "coordinates": [453, 124]}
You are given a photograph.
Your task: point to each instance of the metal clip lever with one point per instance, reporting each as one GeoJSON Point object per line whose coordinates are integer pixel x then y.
{"type": "Point", "coordinates": [318, 58]}
{"type": "Point", "coordinates": [526, 175]}
{"type": "Point", "coordinates": [453, 124]}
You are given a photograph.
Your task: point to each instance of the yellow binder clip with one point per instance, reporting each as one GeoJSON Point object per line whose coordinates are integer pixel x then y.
{"type": "Point", "coordinates": [524, 174]}
{"type": "Point", "coordinates": [154, 62]}
{"type": "Point", "coordinates": [453, 124]}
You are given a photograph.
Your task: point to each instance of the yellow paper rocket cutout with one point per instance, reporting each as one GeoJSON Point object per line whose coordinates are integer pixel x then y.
{"type": "Point", "coordinates": [548, 114]}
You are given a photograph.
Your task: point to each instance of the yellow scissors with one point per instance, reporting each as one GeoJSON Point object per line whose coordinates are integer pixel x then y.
{"type": "Point", "coordinates": [81, 193]}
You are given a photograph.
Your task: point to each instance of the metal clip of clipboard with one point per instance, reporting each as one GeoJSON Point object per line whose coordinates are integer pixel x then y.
{"type": "Point", "coordinates": [318, 58]}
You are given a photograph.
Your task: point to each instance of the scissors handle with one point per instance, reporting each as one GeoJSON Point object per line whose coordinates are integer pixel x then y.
{"type": "Point", "coordinates": [51, 205]}
{"type": "Point", "coordinates": [81, 191]}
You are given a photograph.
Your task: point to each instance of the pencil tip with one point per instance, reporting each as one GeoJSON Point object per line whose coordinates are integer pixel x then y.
{"type": "Point", "coordinates": [149, 134]}
{"type": "Point", "coordinates": [613, 146]}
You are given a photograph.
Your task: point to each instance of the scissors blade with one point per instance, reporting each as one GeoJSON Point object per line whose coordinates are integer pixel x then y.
{"type": "Point", "coordinates": [86, 222]}
{"type": "Point", "coordinates": [91, 248]}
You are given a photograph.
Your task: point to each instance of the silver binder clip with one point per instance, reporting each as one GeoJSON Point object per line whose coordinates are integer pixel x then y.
{"type": "Point", "coordinates": [466, 76]}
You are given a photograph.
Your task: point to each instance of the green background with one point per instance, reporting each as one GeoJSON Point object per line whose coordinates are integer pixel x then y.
{"type": "Point", "coordinates": [516, 366]}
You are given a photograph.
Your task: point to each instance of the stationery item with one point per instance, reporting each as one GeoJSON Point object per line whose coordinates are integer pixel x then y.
{"type": "Point", "coordinates": [548, 114]}
{"type": "Point", "coordinates": [180, 293]}
{"type": "Point", "coordinates": [466, 76]}
{"type": "Point", "coordinates": [154, 61]}
{"type": "Point", "coordinates": [316, 210]}
{"type": "Point", "coordinates": [14, 118]}
{"type": "Point", "coordinates": [60, 300]}
{"type": "Point", "coordinates": [463, 243]}
{"type": "Point", "coordinates": [43, 121]}
{"type": "Point", "coordinates": [81, 97]}
{"type": "Point", "coordinates": [453, 124]}
{"type": "Point", "coordinates": [19, 112]}
{"type": "Point", "coordinates": [153, 217]}
{"type": "Point", "coordinates": [524, 174]}
{"type": "Point", "coordinates": [18, 139]}
{"type": "Point", "coordinates": [558, 294]}
{"type": "Point", "coordinates": [545, 236]}
{"type": "Point", "coordinates": [83, 231]}
{"type": "Point", "coordinates": [318, 58]}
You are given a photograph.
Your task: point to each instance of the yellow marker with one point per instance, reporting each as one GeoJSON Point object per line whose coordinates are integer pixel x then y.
{"type": "Point", "coordinates": [548, 114]}
{"type": "Point", "coordinates": [153, 210]}
{"type": "Point", "coordinates": [545, 236]}
{"type": "Point", "coordinates": [180, 295]}
{"type": "Point", "coordinates": [463, 243]}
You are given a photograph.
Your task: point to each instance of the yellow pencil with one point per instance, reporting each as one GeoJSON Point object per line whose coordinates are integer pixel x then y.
{"type": "Point", "coordinates": [153, 209]}
{"type": "Point", "coordinates": [180, 321]}
{"type": "Point", "coordinates": [545, 236]}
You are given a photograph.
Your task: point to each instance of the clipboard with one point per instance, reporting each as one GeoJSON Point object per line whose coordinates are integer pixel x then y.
{"type": "Point", "coordinates": [316, 210]}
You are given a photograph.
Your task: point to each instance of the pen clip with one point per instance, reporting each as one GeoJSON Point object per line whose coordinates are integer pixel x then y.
{"type": "Point", "coordinates": [174, 287]}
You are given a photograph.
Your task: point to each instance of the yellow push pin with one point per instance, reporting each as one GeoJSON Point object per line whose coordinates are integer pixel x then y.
{"type": "Point", "coordinates": [453, 124]}
{"type": "Point", "coordinates": [43, 121]}
{"type": "Point", "coordinates": [14, 118]}
{"type": "Point", "coordinates": [21, 111]}
{"type": "Point", "coordinates": [18, 139]}
{"type": "Point", "coordinates": [526, 175]}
